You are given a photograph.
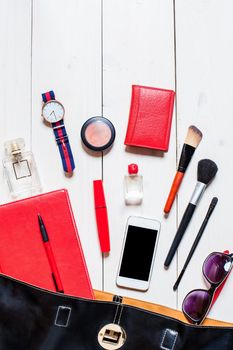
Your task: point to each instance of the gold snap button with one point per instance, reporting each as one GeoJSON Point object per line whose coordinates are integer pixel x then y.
{"type": "Point", "coordinates": [112, 337]}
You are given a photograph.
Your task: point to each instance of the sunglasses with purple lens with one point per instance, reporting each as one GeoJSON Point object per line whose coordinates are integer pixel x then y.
{"type": "Point", "coordinates": [197, 303]}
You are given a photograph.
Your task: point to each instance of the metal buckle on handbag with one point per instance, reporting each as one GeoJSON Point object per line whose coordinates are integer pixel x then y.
{"type": "Point", "coordinates": [111, 337]}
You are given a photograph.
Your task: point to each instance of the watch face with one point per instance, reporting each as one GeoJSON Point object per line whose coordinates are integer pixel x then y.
{"type": "Point", "coordinates": [53, 111]}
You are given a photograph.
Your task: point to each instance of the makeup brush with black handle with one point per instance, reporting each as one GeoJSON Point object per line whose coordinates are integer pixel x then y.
{"type": "Point", "coordinates": [192, 140]}
{"type": "Point", "coordinates": [197, 239]}
{"type": "Point", "coordinates": [206, 171]}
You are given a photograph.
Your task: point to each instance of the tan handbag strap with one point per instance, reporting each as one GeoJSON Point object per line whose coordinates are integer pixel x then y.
{"type": "Point", "coordinates": [166, 311]}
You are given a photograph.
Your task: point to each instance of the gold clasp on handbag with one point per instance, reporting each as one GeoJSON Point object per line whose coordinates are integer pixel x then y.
{"type": "Point", "coordinates": [112, 337]}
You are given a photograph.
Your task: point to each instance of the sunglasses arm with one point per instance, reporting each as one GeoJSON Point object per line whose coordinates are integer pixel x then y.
{"type": "Point", "coordinates": [219, 289]}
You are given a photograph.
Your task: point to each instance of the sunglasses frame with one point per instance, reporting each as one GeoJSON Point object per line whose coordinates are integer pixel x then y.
{"type": "Point", "coordinates": [212, 290]}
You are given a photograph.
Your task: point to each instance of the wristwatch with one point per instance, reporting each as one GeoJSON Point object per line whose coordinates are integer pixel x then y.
{"type": "Point", "coordinates": [53, 112]}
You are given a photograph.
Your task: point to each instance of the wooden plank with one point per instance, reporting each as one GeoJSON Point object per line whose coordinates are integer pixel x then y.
{"type": "Point", "coordinates": [204, 32]}
{"type": "Point", "coordinates": [15, 67]}
{"type": "Point", "coordinates": [67, 59]}
{"type": "Point", "coordinates": [138, 49]}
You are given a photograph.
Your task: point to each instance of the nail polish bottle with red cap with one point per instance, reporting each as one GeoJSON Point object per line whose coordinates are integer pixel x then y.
{"type": "Point", "coordinates": [133, 186]}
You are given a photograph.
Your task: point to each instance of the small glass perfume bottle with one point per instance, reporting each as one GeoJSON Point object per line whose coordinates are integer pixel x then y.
{"type": "Point", "coordinates": [20, 169]}
{"type": "Point", "coordinates": [133, 186]}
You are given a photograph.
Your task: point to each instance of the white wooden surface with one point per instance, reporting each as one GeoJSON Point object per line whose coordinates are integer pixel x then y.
{"type": "Point", "coordinates": [91, 52]}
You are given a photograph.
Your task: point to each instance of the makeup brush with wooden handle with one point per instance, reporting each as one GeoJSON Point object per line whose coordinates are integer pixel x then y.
{"type": "Point", "coordinates": [193, 138]}
{"type": "Point", "coordinates": [206, 171]}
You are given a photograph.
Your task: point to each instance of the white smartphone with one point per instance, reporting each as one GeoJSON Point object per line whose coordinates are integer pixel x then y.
{"type": "Point", "coordinates": [138, 253]}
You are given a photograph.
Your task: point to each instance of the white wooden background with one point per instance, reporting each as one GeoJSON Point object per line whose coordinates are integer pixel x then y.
{"type": "Point", "coordinates": [91, 52]}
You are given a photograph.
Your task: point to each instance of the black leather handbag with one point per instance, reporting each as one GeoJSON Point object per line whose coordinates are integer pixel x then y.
{"type": "Point", "coordinates": [35, 319]}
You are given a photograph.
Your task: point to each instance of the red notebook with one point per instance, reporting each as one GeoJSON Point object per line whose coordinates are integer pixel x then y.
{"type": "Point", "coordinates": [150, 118]}
{"type": "Point", "coordinates": [22, 252]}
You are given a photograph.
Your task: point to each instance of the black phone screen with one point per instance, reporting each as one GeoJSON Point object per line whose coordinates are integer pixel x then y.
{"type": "Point", "coordinates": [138, 253]}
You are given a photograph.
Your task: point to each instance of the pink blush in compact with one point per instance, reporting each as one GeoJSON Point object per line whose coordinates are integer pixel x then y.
{"type": "Point", "coordinates": [98, 133]}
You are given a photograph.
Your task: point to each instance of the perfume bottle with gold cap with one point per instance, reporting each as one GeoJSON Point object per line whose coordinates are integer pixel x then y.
{"type": "Point", "coordinates": [20, 169]}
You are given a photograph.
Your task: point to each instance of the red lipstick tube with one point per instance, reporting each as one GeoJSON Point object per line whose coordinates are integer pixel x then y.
{"type": "Point", "coordinates": [101, 216]}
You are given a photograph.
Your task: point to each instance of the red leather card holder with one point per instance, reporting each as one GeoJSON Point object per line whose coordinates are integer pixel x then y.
{"type": "Point", "coordinates": [150, 118]}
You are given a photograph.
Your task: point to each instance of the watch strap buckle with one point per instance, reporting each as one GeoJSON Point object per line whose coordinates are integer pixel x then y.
{"type": "Point", "coordinates": [58, 126]}
{"type": "Point", "coordinates": [62, 139]}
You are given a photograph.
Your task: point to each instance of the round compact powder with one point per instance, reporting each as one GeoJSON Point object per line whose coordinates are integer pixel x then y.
{"type": "Point", "coordinates": [98, 133]}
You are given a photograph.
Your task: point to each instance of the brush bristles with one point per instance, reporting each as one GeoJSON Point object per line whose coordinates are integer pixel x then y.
{"type": "Point", "coordinates": [206, 171]}
{"type": "Point", "coordinates": [193, 137]}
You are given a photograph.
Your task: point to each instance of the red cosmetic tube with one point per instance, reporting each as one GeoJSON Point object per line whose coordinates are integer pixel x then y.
{"type": "Point", "coordinates": [101, 216]}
